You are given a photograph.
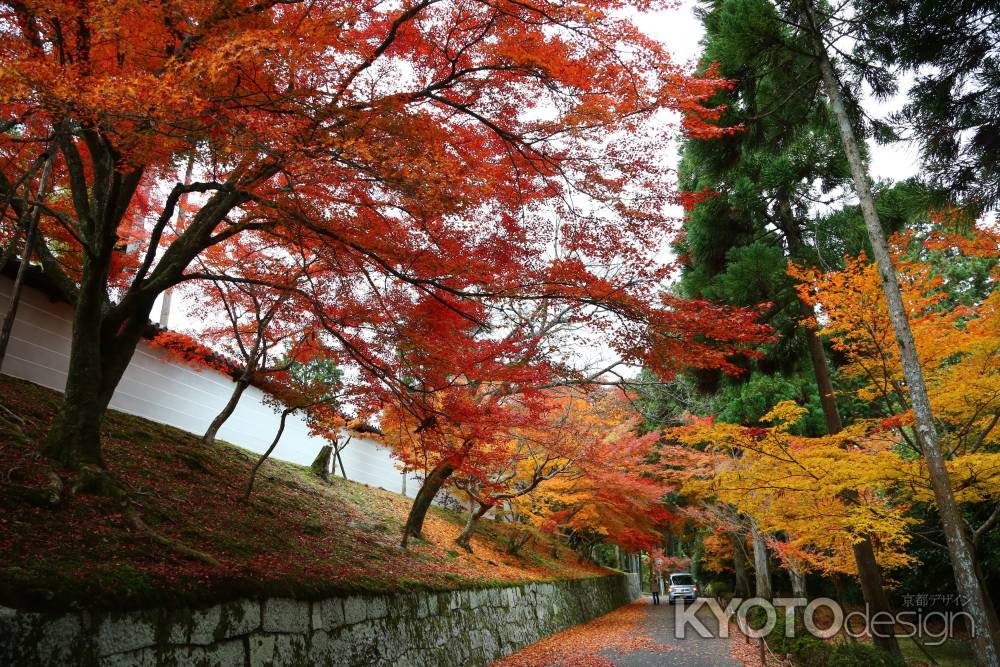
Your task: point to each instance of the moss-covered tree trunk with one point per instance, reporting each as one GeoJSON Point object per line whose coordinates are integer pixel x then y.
{"type": "Point", "coordinates": [321, 464]}
{"type": "Point", "coordinates": [98, 358]}
{"type": "Point", "coordinates": [476, 512]}
{"type": "Point", "coordinates": [742, 589]}
{"type": "Point", "coordinates": [422, 503]}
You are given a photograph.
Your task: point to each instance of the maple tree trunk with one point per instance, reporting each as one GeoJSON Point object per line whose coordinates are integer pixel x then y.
{"type": "Point", "coordinates": [428, 490]}
{"type": "Point", "coordinates": [516, 542]}
{"type": "Point", "coordinates": [838, 590]}
{"type": "Point", "coordinates": [106, 331]}
{"type": "Point", "coordinates": [105, 334]}
{"type": "Point", "coordinates": [226, 412]}
{"type": "Point", "coordinates": [343, 471]}
{"type": "Point", "coordinates": [96, 365]}
{"type": "Point", "coordinates": [74, 437]}
{"type": "Point", "coordinates": [798, 579]}
{"type": "Point", "coordinates": [266, 454]}
{"type": "Point", "coordinates": [761, 566]}
{"type": "Point", "coordinates": [335, 458]}
{"type": "Point", "coordinates": [976, 603]}
{"type": "Point", "coordinates": [470, 525]}
{"type": "Point", "coordinates": [873, 590]}
{"type": "Point", "coordinates": [742, 589]}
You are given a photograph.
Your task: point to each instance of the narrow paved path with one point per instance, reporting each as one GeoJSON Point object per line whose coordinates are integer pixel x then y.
{"type": "Point", "coordinates": [636, 635]}
{"type": "Point", "coordinates": [691, 651]}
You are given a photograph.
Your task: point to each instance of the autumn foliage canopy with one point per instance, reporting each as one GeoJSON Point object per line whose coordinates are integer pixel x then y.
{"type": "Point", "coordinates": [434, 163]}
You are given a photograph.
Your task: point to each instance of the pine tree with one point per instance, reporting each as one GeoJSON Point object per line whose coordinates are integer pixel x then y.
{"type": "Point", "coordinates": [953, 111]}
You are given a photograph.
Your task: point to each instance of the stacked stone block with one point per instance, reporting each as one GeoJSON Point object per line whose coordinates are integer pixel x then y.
{"type": "Point", "coordinates": [420, 629]}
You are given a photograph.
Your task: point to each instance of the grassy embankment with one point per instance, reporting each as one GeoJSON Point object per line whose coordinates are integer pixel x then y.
{"type": "Point", "coordinates": [296, 536]}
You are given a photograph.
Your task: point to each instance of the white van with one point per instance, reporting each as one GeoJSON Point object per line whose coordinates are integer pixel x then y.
{"type": "Point", "coordinates": [682, 587]}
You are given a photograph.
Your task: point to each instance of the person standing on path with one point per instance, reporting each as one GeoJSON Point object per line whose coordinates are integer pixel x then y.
{"type": "Point", "coordinates": [654, 585]}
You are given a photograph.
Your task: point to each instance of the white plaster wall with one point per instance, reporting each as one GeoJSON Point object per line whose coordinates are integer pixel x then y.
{"type": "Point", "coordinates": [156, 388]}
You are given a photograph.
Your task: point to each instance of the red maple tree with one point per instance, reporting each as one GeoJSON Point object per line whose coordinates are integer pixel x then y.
{"type": "Point", "coordinates": [474, 154]}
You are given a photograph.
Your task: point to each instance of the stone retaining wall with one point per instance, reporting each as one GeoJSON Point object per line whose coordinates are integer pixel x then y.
{"type": "Point", "coordinates": [458, 628]}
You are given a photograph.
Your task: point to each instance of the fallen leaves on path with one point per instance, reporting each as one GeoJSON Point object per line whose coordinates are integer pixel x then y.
{"type": "Point", "coordinates": [748, 652]}
{"type": "Point", "coordinates": [580, 646]}
{"type": "Point", "coordinates": [744, 651]}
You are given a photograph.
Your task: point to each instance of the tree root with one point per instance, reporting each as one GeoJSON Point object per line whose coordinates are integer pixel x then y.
{"type": "Point", "coordinates": [97, 480]}
{"type": "Point", "coordinates": [407, 534]}
{"type": "Point", "coordinates": [15, 430]}
{"type": "Point", "coordinates": [49, 496]}
{"type": "Point", "coordinates": [133, 516]}
{"type": "Point", "coordinates": [55, 488]}
{"type": "Point", "coordinates": [13, 416]}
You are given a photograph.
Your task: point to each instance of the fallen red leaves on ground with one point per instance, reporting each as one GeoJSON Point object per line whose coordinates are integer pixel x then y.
{"type": "Point", "coordinates": [589, 644]}
{"type": "Point", "coordinates": [747, 652]}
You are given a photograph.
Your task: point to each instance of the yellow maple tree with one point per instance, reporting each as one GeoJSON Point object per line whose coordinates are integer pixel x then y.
{"type": "Point", "coordinates": [959, 349]}
{"type": "Point", "coordinates": [794, 486]}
